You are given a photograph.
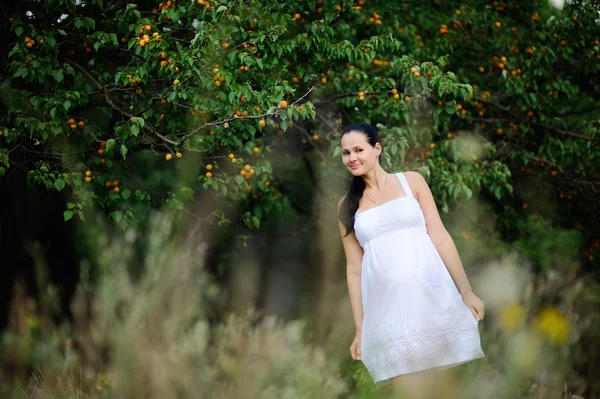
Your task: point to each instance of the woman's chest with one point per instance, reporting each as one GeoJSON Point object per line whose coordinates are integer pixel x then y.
{"type": "Point", "coordinates": [398, 214]}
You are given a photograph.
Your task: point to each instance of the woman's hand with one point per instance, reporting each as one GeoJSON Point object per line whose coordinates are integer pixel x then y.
{"type": "Point", "coordinates": [475, 304]}
{"type": "Point", "coordinates": [355, 347]}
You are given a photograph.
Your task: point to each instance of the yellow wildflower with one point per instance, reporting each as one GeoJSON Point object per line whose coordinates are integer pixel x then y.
{"type": "Point", "coordinates": [512, 317]}
{"type": "Point", "coordinates": [553, 324]}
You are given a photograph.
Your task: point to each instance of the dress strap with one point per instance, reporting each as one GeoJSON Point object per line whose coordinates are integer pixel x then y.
{"type": "Point", "coordinates": [404, 184]}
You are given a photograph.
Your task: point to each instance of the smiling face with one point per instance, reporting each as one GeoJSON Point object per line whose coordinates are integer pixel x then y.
{"type": "Point", "coordinates": [358, 155]}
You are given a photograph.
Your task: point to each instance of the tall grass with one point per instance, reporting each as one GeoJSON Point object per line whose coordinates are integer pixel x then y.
{"type": "Point", "coordinates": [145, 327]}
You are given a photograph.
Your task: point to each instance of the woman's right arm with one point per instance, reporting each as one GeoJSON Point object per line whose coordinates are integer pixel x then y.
{"type": "Point", "coordinates": [354, 255]}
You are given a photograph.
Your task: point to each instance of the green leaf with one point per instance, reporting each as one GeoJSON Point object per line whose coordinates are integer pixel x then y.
{"type": "Point", "coordinates": [67, 105]}
{"type": "Point", "coordinates": [173, 15]}
{"type": "Point", "coordinates": [116, 215]}
{"type": "Point", "coordinates": [21, 72]}
{"type": "Point", "coordinates": [110, 145]}
{"type": "Point", "coordinates": [67, 215]}
{"type": "Point", "coordinates": [126, 194]}
{"type": "Point", "coordinates": [59, 184]}
{"type": "Point", "coordinates": [58, 75]}
{"type": "Point", "coordinates": [337, 152]}
{"type": "Point", "coordinates": [138, 121]}
{"type": "Point", "coordinates": [175, 204]}
{"type": "Point", "coordinates": [19, 30]}
{"type": "Point", "coordinates": [123, 151]}
{"type": "Point", "coordinates": [134, 129]}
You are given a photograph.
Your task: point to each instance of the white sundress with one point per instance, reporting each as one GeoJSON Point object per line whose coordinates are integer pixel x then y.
{"type": "Point", "coordinates": [414, 317]}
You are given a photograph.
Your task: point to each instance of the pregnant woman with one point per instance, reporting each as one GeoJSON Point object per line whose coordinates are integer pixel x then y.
{"type": "Point", "coordinates": [413, 306]}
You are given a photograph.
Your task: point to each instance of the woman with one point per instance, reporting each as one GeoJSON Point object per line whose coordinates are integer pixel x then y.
{"type": "Point", "coordinates": [412, 303]}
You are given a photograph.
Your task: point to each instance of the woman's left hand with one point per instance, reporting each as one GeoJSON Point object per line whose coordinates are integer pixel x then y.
{"type": "Point", "coordinates": [474, 304]}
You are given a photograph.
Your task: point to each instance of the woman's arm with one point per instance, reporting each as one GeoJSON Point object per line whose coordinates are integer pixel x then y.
{"type": "Point", "coordinates": [354, 255]}
{"type": "Point", "coordinates": [443, 242]}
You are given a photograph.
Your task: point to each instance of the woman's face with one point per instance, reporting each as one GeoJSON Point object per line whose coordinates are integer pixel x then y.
{"type": "Point", "coordinates": [358, 156]}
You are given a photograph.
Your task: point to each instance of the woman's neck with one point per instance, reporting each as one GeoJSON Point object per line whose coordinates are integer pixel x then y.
{"type": "Point", "coordinates": [375, 179]}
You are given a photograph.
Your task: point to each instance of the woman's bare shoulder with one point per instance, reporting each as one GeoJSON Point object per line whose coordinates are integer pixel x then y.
{"type": "Point", "coordinates": [416, 182]}
{"type": "Point", "coordinates": [414, 177]}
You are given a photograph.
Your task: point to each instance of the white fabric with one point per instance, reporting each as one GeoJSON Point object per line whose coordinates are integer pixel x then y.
{"type": "Point", "coordinates": [414, 316]}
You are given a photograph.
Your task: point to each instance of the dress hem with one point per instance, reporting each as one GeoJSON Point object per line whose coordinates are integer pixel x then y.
{"type": "Point", "coordinates": [386, 379]}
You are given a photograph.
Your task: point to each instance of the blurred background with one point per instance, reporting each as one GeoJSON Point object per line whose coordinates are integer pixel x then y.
{"type": "Point", "coordinates": [169, 175]}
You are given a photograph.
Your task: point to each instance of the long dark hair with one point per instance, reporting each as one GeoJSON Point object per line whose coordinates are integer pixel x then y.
{"type": "Point", "coordinates": [349, 204]}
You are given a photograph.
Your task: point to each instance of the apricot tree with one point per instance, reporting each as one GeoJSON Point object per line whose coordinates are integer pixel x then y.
{"type": "Point", "coordinates": [137, 105]}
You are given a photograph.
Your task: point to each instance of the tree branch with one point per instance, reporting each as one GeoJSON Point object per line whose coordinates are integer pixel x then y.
{"type": "Point", "coordinates": [112, 104]}
{"type": "Point", "coordinates": [546, 161]}
{"type": "Point", "coordinates": [581, 111]}
{"type": "Point", "coordinates": [566, 133]}
{"type": "Point", "coordinates": [223, 121]}
{"type": "Point", "coordinates": [543, 125]}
